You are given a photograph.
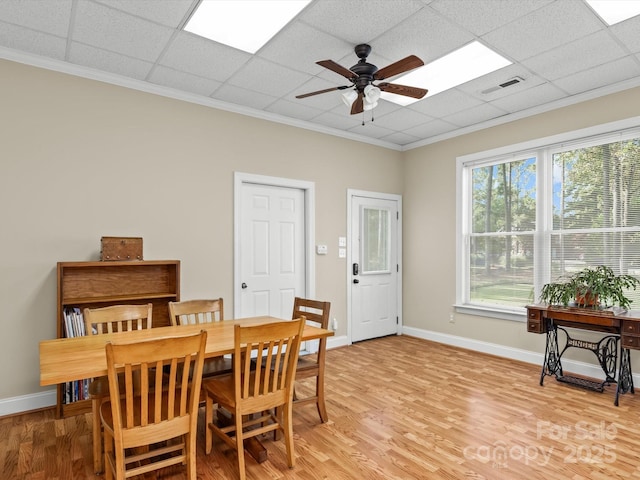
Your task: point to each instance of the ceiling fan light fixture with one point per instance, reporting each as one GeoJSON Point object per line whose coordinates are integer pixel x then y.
{"type": "Point", "coordinates": [371, 94]}
{"type": "Point", "coordinates": [369, 106]}
{"type": "Point", "coordinates": [363, 94]}
{"type": "Point", "coordinates": [349, 97]}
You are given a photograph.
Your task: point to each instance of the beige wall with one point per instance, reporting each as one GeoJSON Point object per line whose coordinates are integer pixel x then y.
{"type": "Point", "coordinates": [81, 159]}
{"type": "Point", "coordinates": [429, 218]}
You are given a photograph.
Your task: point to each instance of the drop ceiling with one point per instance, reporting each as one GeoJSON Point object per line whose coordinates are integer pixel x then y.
{"type": "Point", "coordinates": [561, 50]}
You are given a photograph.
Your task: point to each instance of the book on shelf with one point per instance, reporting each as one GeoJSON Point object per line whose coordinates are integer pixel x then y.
{"type": "Point", "coordinates": [73, 322]}
{"type": "Point", "coordinates": [74, 327]}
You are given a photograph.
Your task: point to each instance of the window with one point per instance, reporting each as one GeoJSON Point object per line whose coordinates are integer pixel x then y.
{"type": "Point", "coordinates": [503, 213]}
{"type": "Point", "coordinates": [529, 217]}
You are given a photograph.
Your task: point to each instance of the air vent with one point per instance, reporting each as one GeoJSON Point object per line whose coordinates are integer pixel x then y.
{"type": "Point", "coordinates": [508, 83]}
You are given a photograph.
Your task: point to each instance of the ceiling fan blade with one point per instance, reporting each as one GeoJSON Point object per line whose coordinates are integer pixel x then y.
{"type": "Point", "coordinates": [336, 67]}
{"type": "Point", "coordinates": [310, 94]}
{"type": "Point", "coordinates": [414, 92]}
{"type": "Point", "coordinates": [401, 66]}
{"type": "Point", "coordinates": [358, 104]}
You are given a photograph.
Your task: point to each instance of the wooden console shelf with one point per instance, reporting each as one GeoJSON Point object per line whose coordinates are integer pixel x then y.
{"type": "Point", "coordinates": [100, 284]}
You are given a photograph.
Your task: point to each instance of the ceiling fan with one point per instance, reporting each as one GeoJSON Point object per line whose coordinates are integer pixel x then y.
{"type": "Point", "coordinates": [365, 94]}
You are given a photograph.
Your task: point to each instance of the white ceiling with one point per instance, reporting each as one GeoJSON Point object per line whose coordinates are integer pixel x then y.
{"type": "Point", "coordinates": [564, 52]}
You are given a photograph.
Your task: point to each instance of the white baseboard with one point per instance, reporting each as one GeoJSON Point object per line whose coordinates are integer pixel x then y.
{"type": "Point", "coordinates": [536, 358]}
{"type": "Point", "coordinates": [24, 403]}
{"type": "Point", "coordinates": [335, 342]}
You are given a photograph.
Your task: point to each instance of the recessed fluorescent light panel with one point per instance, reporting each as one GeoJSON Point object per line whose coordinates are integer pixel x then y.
{"type": "Point", "coordinates": [465, 64]}
{"type": "Point", "coordinates": [246, 25]}
{"type": "Point", "coordinates": [614, 11]}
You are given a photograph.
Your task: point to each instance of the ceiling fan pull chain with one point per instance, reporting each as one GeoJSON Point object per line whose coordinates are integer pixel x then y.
{"type": "Point", "coordinates": [363, 118]}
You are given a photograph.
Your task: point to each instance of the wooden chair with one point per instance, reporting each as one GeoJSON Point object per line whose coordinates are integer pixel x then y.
{"type": "Point", "coordinates": [151, 423]}
{"type": "Point", "coordinates": [256, 388]}
{"type": "Point", "coordinates": [317, 314]}
{"type": "Point", "coordinates": [116, 318]}
{"type": "Point", "coordinates": [190, 312]}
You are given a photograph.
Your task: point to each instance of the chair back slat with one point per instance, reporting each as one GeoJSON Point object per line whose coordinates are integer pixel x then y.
{"type": "Point", "coordinates": [117, 318]}
{"type": "Point", "coordinates": [194, 312]}
{"type": "Point", "coordinates": [169, 372]}
{"type": "Point", "coordinates": [315, 311]}
{"type": "Point", "coordinates": [269, 346]}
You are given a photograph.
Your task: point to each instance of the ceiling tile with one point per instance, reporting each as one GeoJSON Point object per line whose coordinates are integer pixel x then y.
{"type": "Point", "coordinates": [26, 40]}
{"type": "Point", "coordinates": [199, 56]}
{"type": "Point", "coordinates": [574, 57]}
{"type": "Point", "coordinates": [358, 21]}
{"type": "Point", "coordinates": [294, 110]}
{"type": "Point", "coordinates": [401, 119]}
{"type": "Point", "coordinates": [292, 46]}
{"type": "Point", "coordinates": [338, 121]}
{"type": "Point", "coordinates": [430, 35]}
{"type": "Point", "coordinates": [241, 96]}
{"type": "Point", "coordinates": [400, 138]}
{"type": "Point", "coordinates": [546, 28]}
{"type": "Point", "coordinates": [110, 29]}
{"type": "Point", "coordinates": [370, 129]}
{"type": "Point", "coordinates": [431, 129]}
{"type": "Point", "coordinates": [627, 33]}
{"type": "Point", "coordinates": [538, 95]}
{"type": "Point", "coordinates": [183, 81]}
{"type": "Point", "coordinates": [51, 17]}
{"type": "Point", "coordinates": [171, 13]}
{"type": "Point", "coordinates": [444, 103]}
{"type": "Point", "coordinates": [480, 113]}
{"type": "Point", "coordinates": [483, 16]}
{"type": "Point", "coordinates": [608, 74]}
{"type": "Point", "coordinates": [108, 61]}
{"type": "Point", "coordinates": [266, 77]}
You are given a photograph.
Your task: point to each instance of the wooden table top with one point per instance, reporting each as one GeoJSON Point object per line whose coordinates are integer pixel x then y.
{"type": "Point", "coordinates": [586, 316]}
{"type": "Point", "coordinates": [69, 359]}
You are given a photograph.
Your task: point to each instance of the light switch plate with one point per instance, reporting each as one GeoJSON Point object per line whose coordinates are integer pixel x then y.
{"type": "Point", "coordinates": [342, 241]}
{"type": "Point", "coordinates": [342, 253]}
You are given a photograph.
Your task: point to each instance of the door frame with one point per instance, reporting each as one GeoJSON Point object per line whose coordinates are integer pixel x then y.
{"type": "Point", "coordinates": [308, 188]}
{"type": "Point", "coordinates": [382, 196]}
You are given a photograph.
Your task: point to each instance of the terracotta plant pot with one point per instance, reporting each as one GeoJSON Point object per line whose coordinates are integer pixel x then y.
{"type": "Point", "coordinates": [587, 299]}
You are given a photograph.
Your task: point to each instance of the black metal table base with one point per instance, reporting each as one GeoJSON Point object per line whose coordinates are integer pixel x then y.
{"type": "Point", "coordinates": [612, 357]}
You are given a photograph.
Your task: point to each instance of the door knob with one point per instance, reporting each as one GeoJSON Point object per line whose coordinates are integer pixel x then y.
{"type": "Point", "coordinates": [244, 285]}
{"type": "Point", "coordinates": [355, 280]}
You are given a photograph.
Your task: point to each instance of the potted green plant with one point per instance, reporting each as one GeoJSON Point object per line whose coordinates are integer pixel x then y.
{"type": "Point", "coordinates": [597, 287]}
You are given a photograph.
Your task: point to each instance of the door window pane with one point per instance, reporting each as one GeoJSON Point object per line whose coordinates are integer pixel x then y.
{"type": "Point", "coordinates": [375, 241]}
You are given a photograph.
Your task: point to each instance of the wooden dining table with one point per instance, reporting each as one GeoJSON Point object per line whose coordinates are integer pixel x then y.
{"type": "Point", "coordinates": [69, 359]}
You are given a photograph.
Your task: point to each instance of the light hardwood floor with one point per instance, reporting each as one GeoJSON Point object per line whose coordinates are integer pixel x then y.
{"type": "Point", "coordinates": [400, 408]}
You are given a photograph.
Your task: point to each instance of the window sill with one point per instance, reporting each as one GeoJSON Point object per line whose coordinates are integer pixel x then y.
{"type": "Point", "coordinates": [515, 315]}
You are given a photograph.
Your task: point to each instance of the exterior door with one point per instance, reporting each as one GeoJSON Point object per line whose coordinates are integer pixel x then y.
{"type": "Point", "coordinates": [271, 255]}
{"type": "Point", "coordinates": [374, 267]}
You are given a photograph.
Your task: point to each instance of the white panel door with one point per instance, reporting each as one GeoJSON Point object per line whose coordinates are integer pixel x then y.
{"type": "Point", "coordinates": [374, 268]}
{"type": "Point", "coordinates": [272, 250]}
